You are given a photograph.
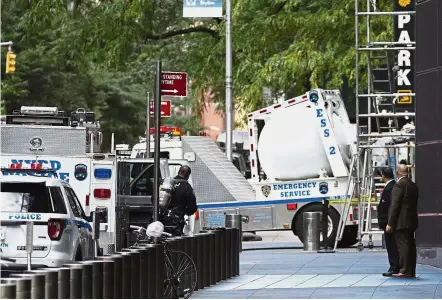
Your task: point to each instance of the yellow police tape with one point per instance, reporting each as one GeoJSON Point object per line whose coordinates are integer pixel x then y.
{"type": "Point", "coordinates": [352, 201]}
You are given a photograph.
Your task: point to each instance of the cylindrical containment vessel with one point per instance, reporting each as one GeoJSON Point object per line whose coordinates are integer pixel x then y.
{"type": "Point", "coordinates": [283, 157]}
{"type": "Point", "coordinates": [312, 229]}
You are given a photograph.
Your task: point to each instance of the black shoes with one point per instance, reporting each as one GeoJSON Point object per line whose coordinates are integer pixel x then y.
{"type": "Point", "coordinates": [388, 274]}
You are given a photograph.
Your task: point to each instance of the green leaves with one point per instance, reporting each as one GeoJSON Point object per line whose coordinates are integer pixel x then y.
{"type": "Point", "coordinates": [100, 54]}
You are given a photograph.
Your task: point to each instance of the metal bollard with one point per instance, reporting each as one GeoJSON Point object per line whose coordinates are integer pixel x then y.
{"type": "Point", "coordinates": [76, 282]}
{"type": "Point", "coordinates": [152, 280]}
{"type": "Point", "coordinates": [64, 283]}
{"type": "Point", "coordinates": [118, 276]}
{"type": "Point", "coordinates": [126, 279]}
{"type": "Point", "coordinates": [211, 255]}
{"type": "Point", "coordinates": [235, 221]}
{"type": "Point", "coordinates": [223, 254]}
{"type": "Point", "coordinates": [23, 286]}
{"type": "Point", "coordinates": [160, 271]}
{"type": "Point", "coordinates": [86, 280]}
{"type": "Point", "coordinates": [228, 249]}
{"type": "Point", "coordinates": [8, 291]}
{"type": "Point", "coordinates": [97, 277]}
{"type": "Point", "coordinates": [37, 284]}
{"type": "Point", "coordinates": [135, 257]}
{"type": "Point", "coordinates": [108, 279]}
{"type": "Point", "coordinates": [205, 270]}
{"type": "Point", "coordinates": [217, 254]}
{"type": "Point", "coordinates": [311, 229]}
{"type": "Point", "coordinates": [51, 282]}
{"type": "Point", "coordinates": [235, 252]}
{"type": "Point", "coordinates": [194, 254]}
{"type": "Point", "coordinates": [144, 270]}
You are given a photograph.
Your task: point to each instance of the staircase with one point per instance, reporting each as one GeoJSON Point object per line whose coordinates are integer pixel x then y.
{"type": "Point", "coordinates": [215, 177]}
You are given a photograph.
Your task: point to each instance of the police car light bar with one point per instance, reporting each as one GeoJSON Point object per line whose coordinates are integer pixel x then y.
{"type": "Point", "coordinates": [38, 110]}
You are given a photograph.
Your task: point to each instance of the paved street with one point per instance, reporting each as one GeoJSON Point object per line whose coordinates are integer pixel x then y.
{"type": "Point", "coordinates": [293, 273]}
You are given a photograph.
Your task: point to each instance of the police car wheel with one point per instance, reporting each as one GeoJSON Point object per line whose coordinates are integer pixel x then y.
{"type": "Point", "coordinates": [333, 218]}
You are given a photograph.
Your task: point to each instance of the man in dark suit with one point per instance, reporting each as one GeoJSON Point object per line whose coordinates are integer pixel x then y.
{"type": "Point", "coordinates": [384, 206]}
{"type": "Point", "coordinates": [403, 221]}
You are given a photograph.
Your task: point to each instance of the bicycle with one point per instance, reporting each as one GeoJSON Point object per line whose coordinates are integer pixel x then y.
{"type": "Point", "coordinates": [181, 277]}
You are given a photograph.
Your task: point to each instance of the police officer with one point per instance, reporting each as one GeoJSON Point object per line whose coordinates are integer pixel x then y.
{"type": "Point", "coordinates": [183, 200]}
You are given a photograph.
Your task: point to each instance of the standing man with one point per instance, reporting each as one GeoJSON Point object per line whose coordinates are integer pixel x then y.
{"type": "Point", "coordinates": [384, 206]}
{"type": "Point", "coordinates": [403, 221]}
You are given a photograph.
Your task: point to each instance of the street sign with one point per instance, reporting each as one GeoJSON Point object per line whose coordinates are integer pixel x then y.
{"type": "Point", "coordinates": [174, 84]}
{"type": "Point", "coordinates": [166, 108]}
{"type": "Point", "coordinates": [202, 8]}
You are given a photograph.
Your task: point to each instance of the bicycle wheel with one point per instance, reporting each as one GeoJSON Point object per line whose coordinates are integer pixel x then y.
{"type": "Point", "coordinates": [181, 276]}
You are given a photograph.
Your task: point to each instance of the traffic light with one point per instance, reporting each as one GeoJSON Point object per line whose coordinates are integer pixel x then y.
{"type": "Point", "coordinates": [10, 62]}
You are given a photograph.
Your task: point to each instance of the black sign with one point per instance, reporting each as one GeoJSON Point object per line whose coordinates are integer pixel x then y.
{"type": "Point", "coordinates": [404, 31]}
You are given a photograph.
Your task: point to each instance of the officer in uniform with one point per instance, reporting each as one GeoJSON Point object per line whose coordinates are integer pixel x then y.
{"type": "Point", "coordinates": [183, 200]}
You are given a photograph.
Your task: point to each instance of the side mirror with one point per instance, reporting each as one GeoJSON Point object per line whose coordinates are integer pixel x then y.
{"type": "Point", "coordinates": [248, 174]}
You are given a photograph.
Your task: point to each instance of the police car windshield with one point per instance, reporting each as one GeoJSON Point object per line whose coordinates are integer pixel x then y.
{"type": "Point", "coordinates": [31, 198]}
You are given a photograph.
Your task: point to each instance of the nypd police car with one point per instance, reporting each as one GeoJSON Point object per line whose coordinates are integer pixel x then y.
{"type": "Point", "coordinates": [61, 232]}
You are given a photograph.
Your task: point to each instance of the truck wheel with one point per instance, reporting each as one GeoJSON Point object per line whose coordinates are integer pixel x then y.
{"type": "Point", "coordinates": [333, 219]}
{"type": "Point", "coordinates": [349, 237]}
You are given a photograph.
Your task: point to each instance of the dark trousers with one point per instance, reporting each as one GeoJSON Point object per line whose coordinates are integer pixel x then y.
{"type": "Point", "coordinates": [393, 254]}
{"type": "Point", "coordinates": [406, 245]}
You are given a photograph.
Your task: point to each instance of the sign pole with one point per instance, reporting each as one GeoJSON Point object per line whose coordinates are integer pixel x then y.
{"type": "Point", "coordinates": [148, 126]}
{"type": "Point", "coordinates": [229, 108]}
{"type": "Point", "coordinates": [157, 120]}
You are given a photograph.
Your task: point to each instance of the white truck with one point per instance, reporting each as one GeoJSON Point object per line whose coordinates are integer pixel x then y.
{"type": "Point", "coordinates": [300, 152]}
{"type": "Point", "coordinates": [67, 145]}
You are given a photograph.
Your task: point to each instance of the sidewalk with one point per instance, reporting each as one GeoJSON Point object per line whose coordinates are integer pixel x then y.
{"type": "Point", "coordinates": [289, 274]}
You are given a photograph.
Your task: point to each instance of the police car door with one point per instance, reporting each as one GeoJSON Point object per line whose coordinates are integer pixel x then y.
{"type": "Point", "coordinates": [84, 228]}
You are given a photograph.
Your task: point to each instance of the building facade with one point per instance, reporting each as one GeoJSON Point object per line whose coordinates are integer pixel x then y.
{"type": "Point", "coordinates": [428, 78]}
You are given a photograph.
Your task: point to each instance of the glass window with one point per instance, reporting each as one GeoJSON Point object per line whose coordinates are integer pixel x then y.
{"type": "Point", "coordinates": [144, 185]}
{"type": "Point", "coordinates": [29, 197]}
{"type": "Point", "coordinates": [77, 202]}
{"type": "Point", "coordinates": [75, 209]}
{"type": "Point", "coordinates": [57, 199]}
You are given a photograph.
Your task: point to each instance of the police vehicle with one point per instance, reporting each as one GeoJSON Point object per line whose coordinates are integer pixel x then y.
{"type": "Point", "coordinates": [61, 232]}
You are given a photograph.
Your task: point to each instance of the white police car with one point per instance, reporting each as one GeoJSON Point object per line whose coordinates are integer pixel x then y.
{"type": "Point", "coordinates": [61, 231]}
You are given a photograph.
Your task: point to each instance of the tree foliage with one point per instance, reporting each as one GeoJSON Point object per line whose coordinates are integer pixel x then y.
{"type": "Point", "coordinates": [99, 54]}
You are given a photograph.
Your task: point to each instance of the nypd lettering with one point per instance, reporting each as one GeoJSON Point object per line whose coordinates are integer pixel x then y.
{"type": "Point", "coordinates": [55, 165]}
{"type": "Point", "coordinates": [24, 216]}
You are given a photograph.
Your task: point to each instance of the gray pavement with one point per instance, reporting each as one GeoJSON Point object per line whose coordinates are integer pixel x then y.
{"type": "Point", "coordinates": [294, 274]}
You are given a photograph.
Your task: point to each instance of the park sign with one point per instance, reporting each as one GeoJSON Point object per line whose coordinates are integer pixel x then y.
{"type": "Point", "coordinates": [174, 84]}
{"type": "Point", "coordinates": [202, 8]}
{"type": "Point", "coordinates": [166, 108]}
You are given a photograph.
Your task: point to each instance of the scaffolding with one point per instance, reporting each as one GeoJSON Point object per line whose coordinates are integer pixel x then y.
{"type": "Point", "coordinates": [382, 131]}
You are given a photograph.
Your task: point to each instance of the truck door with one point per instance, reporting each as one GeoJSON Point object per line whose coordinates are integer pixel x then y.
{"type": "Point", "coordinates": [135, 184]}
